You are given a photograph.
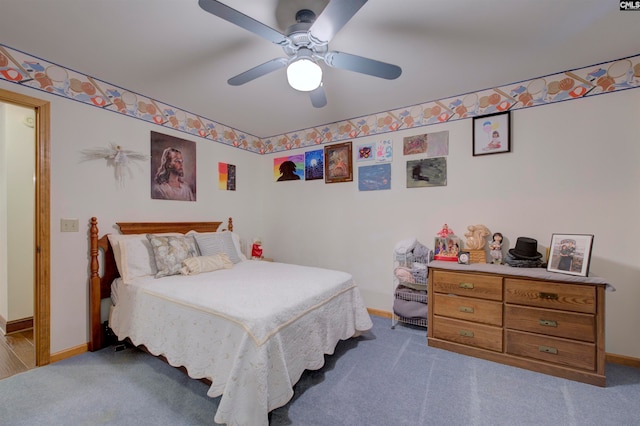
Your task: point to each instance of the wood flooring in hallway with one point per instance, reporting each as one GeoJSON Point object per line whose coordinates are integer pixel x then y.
{"type": "Point", "coordinates": [17, 353]}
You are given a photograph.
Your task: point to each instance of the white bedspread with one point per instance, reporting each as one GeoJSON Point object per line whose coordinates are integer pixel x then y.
{"type": "Point", "coordinates": [252, 330]}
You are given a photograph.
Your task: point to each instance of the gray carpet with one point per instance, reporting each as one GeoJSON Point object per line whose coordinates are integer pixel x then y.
{"type": "Point", "coordinates": [386, 377]}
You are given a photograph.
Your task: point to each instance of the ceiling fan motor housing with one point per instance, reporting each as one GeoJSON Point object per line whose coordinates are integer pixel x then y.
{"type": "Point", "coordinates": [300, 37]}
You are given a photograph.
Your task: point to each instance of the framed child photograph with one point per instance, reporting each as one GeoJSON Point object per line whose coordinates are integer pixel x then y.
{"type": "Point", "coordinates": [492, 134]}
{"type": "Point", "coordinates": [570, 254]}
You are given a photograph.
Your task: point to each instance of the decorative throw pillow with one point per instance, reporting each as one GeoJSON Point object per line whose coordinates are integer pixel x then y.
{"type": "Point", "coordinates": [169, 252]}
{"type": "Point", "coordinates": [211, 243]}
{"type": "Point", "coordinates": [196, 265]}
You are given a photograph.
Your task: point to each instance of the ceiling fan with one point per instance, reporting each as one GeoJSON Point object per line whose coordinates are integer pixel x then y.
{"type": "Point", "coordinates": [305, 43]}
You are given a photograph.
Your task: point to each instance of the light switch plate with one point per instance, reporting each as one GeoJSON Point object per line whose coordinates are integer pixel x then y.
{"type": "Point", "coordinates": [69, 225]}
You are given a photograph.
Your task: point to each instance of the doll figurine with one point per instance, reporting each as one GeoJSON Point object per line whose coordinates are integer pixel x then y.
{"type": "Point", "coordinates": [495, 248]}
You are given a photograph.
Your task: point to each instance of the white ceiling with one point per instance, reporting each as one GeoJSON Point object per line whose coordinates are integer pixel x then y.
{"type": "Point", "coordinates": [176, 53]}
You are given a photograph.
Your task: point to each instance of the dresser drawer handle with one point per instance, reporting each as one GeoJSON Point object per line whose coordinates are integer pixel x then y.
{"type": "Point", "coordinates": [466, 285]}
{"type": "Point", "coordinates": [548, 323]}
{"type": "Point", "coordinates": [466, 333]}
{"type": "Point", "coordinates": [466, 309]}
{"type": "Point", "coordinates": [548, 296]}
{"type": "Point", "coordinates": [548, 350]}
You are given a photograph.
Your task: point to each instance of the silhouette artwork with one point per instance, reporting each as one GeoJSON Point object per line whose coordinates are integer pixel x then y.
{"type": "Point", "coordinates": [288, 171]}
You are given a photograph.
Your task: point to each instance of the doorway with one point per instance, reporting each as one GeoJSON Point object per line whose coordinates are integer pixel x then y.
{"type": "Point", "coordinates": [41, 249]}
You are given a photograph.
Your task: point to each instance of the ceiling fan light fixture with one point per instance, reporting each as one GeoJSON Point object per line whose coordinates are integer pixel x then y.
{"type": "Point", "coordinates": [304, 75]}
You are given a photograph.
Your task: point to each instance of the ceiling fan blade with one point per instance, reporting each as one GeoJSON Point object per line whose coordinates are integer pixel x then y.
{"type": "Point", "coordinates": [362, 65]}
{"type": "Point", "coordinates": [259, 71]}
{"type": "Point", "coordinates": [318, 97]}
{"type": "Point", "coordinates": [334, 16]}
{"type": "Point", "coordinates": [231, 15]}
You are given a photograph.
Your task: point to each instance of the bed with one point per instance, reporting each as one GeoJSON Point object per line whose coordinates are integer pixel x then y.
{"type": "Point", "coordinates": [248, 327]}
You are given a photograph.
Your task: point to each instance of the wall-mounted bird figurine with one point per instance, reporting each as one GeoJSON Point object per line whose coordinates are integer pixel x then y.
{"type": "Point", "coordinates": [117, 157]}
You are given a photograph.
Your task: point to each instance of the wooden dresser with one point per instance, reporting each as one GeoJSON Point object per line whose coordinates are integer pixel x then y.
{"type": "Point", "coordinates": [529, 318]}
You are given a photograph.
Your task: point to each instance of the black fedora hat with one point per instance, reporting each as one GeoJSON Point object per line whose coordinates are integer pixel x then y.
{"type": "Point", "coordinates": [526, 248]}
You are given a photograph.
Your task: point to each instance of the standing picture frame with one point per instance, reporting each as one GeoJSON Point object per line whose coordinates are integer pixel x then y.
{"type": "Point", "coordinates": [492, 134]}
{"type": "Point", "coordinates": [570, 254]}
{"type": "Point", "coordinates": [338, 163]}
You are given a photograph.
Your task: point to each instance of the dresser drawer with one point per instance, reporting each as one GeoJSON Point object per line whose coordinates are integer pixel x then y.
{"type": "Point", "coordinates": [559, 351]}
{"type": "Point", "coordinates": [567, 297]}
{"type": "Point", "coordinates": [467, 308]}
{"type": "Point", "coordinates": [472, 285]}
{"type": "Point", "coordinates": [571, 325]}
{"type": "Point", "coordinates": [467, 333]}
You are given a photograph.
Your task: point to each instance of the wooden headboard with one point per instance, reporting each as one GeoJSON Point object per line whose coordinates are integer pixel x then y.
{"type": "Point", "coordinates": [100, 286]}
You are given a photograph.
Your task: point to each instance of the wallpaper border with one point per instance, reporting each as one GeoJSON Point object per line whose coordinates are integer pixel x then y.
{"type": "Point", "coordinates": [607, 77]}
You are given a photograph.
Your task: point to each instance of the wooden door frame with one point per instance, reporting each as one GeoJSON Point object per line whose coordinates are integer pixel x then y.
{"type": "Point", "coordinates": [42, 275]}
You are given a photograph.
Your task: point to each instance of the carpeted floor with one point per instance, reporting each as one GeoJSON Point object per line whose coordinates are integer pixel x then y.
{"type": "Point", "coordinates": [385, 377]}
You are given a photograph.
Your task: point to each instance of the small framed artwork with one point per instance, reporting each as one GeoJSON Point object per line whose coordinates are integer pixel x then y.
{"type": "Point", "coordinates": [464, 257]}
{"type": "Point", "coordinates": [226, 177]}
{"type": "Point", "coordinates": [314, 164]}
{"type": "Point", "coordinates": [384, 151]}
{"type": "Point", "coordinates": [288, 168]}
{"type": "Point", "coordinates": [374, 178]}
{"type": "Point", "coordinates": [570, 254]}
{"type": "Point", "coordinates": [492, 134]}
{"type": "Point", "coordinates": [338, 163]}
{"type": "Point", "coordinates": [366, 152]}
{"type": "Point", "coordinates": [427, 172]}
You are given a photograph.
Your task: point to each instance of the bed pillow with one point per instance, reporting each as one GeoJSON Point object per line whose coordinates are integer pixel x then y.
{"type": "Point", "coordinates": [236, 242]}
{"type": "Point", "coordinates": [133, 255]}
{"type": "Point", "coordinates": [137, 259]}
{"type": "Point", "coordinates": [197, 265]}
{"type": "Point", "coordinates": [170, 251]}
{"type": "Point", "coordinates": [211, 243]}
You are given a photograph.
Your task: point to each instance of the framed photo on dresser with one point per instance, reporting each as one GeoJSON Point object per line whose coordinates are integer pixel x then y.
{"type": "Point", "coordinates": [570, 254]}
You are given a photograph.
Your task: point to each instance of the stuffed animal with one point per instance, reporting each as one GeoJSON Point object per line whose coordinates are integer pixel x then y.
{"type": "Point", "coordinates": [256, 249]}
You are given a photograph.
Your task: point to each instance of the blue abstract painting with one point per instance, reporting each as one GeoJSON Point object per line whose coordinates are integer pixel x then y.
{"type": "Point", "coordinates": [374, 178]}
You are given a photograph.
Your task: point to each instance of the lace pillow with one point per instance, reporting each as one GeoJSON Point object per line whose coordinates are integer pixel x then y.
{"type": "Point", "coordinates": [169, 252]}
{"type": "Point", "coordinates": [196, 265]}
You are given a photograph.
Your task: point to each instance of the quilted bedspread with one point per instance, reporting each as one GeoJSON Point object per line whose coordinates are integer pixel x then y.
{"type": "Point", "coordinates": [252, 330]}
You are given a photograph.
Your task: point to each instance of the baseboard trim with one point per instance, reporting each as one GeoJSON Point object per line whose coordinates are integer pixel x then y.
{"type": "Point", "coordinates": [68, 353]}
{"type": "Point", "coordinates": [612, 358]}
{"type": "Point", "coordinates": [379, 313]}
{"type": "Point", "coordinates": [16, 326]}
{"type": "Point", "coordinates": [623, 360]}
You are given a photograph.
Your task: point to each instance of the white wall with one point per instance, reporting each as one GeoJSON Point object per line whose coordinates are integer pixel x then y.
{"type": "Point", "coordinates": [18, 211]}
{"type": "Point", "coordinates": [573, 169]}
{"type": "Point", "coordinates": [4, 298]}
{"type": "Point", "coordinates": [85, 189]}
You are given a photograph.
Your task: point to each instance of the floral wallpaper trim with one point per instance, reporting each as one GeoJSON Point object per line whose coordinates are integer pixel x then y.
{"type": "Point", "coordinates": [20, 68]}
